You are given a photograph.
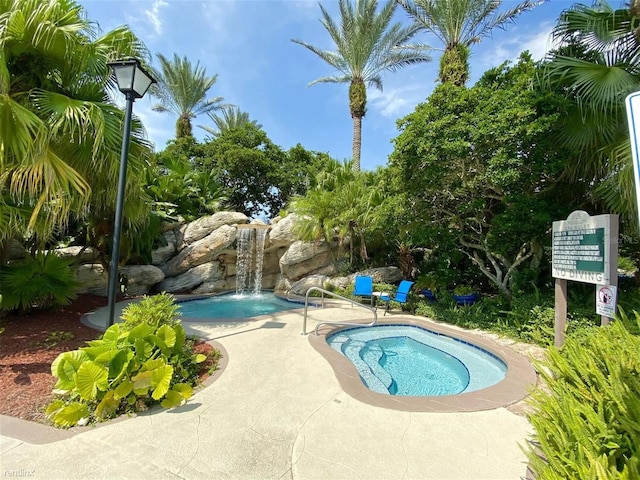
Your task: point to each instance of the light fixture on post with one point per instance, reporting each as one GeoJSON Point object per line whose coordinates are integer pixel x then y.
{"type": "Point", "coordinates": [134, 82]}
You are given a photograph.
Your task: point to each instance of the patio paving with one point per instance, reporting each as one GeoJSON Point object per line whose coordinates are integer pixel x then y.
{"type": "Point", "coordinates": [276, 411]}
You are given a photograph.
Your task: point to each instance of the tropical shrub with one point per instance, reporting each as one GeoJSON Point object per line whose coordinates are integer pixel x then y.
{"type": "Point", "coordinates": [528, 318]}
{"type": "Point", "coordinates": [586, 418]}
{"type": "Point", "coordinates": [43, 280]}
{"type": "Point", "coordinates": [479, 174]}
{"type": "Point", "coordinates": [144, 361]}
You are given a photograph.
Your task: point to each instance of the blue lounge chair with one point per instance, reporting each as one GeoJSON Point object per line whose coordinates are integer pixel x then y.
{"type": "Point", "coordinates": [401, 295]}
{"type": "Point", "coordinates": [363, 287]}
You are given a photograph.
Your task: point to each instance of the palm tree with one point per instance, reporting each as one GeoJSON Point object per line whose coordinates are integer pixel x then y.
{"type": "Point", "coordinates": [182, 90]}
{"type": "Point", "coordinates": [232, 117]}
{"type": "Point", "coordinates": [61, 136]}
{"type": "Point", "coordinates": [597, 66]}
{"type": "Point", "coordinates": [340, 204]}
{"type": "Point", "coordinates": [367, 44]}
{"type": "Point", "coordinates": [458, 24]}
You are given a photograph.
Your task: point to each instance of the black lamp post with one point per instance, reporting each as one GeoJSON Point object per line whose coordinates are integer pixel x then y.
{"type": "Point", "coordinates": [134, 82]}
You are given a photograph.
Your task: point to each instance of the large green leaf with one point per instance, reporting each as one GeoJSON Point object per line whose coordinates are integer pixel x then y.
{"type": "Point", "coordinates": [112, 334]}
{"type": "Point", "coordinates": [152, 364]}
{"type": "Point", "coordinates": [105, 355]}
{"type": "Point", "coordinates": [124, 389]}
{"type": "Point", "coordinates": [143, 349]}
{"type": "Point", "coordinates": [183, 389]}
{"type": "Point", "coordinates": [90, 378]}
{"type": "Point", "coordinates": [159, 342]}
{"type": "Point", "coordinates": [168, 335]}
{"type": "Point", "coordinates": [140, 331]}
{"type": "Point", "coordinates": [180, 337]}
{"type": "Point", "coordinates": [65, 367]}
{"type": "Point", "coordinates": [95, 350]}
{"type": "Point", "coordinates": [141, 383]}
{"type": "Point", "coordinates": [107, 406]}
{"type": "Point", "coordinates": [161, 379]}
{"type": "Point", "coordinates": [119, 363]}
{"type": "Point", "coordinates": [70, 415]}
{"type": "Point", "coordinates": [172, 399]}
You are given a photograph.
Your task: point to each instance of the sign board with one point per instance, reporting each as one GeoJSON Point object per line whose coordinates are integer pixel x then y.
{"type": "Point", "coordinates": [585, 249]}
{"type": "Point", "coordinates": [606, 300]}
{"type": "Point", "coordinates": [633, 118]}
{"type": "Point", "coordinates": [580, 249]}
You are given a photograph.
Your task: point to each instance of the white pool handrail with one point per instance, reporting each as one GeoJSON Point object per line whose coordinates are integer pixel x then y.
{"type": "Point", "coordinates": [334, 295]}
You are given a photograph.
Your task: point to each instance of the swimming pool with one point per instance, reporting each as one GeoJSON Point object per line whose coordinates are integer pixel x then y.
{"type": "Point", "coordinates": [407, 360]}
{"type": "Point", "coordinates": [234, 306]}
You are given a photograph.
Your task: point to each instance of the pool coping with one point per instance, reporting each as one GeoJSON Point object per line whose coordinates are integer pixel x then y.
{"type": "Point", "coordinates": [521, 377]}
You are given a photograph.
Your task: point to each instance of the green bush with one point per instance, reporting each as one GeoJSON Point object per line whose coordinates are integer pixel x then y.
{"type": "Point", "coordinates": [144, 361]}
{"type": "Point", "coordinates": [587, 419]}
{"type": "Point", "coordinates": [43, 280]}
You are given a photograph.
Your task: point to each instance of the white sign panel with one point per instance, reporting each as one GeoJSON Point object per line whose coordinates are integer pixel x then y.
{"type": "Point", "coordinates": [580, 248]}
{"type": "Point", "coordinates": [633, 118]}
{"type": "Point", "coordinates": [606, 300]}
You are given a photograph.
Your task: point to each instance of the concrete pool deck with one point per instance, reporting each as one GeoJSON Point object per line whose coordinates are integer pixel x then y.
{"type": "Point", "coordinates": [276, 411]}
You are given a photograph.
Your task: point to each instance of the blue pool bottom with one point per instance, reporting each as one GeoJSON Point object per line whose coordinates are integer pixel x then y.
{"type": "Point", "coordinates": [413, 361]}
{"type": "Point", "coordinates": [233, 306]}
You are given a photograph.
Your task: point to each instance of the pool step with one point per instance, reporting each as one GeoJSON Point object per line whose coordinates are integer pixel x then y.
{"type": "Point", "coordinates": [366, 361]}
{"type": "Point", "coordinates": [372, 355]}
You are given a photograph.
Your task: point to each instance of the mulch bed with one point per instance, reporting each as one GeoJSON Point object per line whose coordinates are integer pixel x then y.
{"type": "Point", "coordinates": [29, 343]}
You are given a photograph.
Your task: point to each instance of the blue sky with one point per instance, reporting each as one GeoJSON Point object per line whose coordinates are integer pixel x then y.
{"type": "Point", "coordinates": [248, 44]}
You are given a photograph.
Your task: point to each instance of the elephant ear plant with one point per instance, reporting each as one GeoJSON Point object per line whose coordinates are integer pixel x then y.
{"type": "Point", "coordinates": [142, 362]}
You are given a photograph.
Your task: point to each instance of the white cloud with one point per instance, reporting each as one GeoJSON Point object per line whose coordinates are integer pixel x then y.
{"type": "Point", "coordinates": [153, 15]}
{"type": "Point", "coordinates": [509, 45]}
{"type": "Point", "coordinates": [397, 101]}
{"type": "Point", "coordinates": [218, 17]}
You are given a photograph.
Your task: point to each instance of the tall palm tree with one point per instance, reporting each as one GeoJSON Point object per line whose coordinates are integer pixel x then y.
{"type": "Point", "coordinates": [458, 24]}
{"type": "Point", "coordinates": [367, 44]}
{"type": "Point", "coordinates": [182, 89]}
{"type": "Point", "coordinates": [60, 133]}
{"type": "Point", "coordinates": [598, 65]}
{"type": "Point", "coordinates": [231, 117]}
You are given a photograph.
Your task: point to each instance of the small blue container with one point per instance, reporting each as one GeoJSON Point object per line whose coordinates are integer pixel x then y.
{"type": "Point", "coordinates": [469, 299]}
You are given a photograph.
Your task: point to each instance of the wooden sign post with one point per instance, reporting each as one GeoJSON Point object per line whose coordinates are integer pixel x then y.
{"type": "Point", "coordinates": [584, 249]}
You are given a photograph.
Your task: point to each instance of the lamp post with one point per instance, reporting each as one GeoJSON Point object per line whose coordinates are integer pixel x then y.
{"type": "Point", "coordinates": [134, 82]}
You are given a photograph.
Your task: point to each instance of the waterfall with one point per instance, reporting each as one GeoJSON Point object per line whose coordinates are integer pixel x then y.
{"type": "Point", "coordinates": [250, 255]}
{"type": "Point", "coordinates": [244, 259]}
{"type": "Point", "coordinates": [261, 235]}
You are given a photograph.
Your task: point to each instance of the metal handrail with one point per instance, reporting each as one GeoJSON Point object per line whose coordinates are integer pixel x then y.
{"type": "Point", "coordinates": [334, 295]}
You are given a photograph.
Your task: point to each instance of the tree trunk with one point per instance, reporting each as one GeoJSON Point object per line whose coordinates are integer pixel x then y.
{"type": "Point", "coordinates": [357, 107]}
{"type": "Point", "coordinates": [357, 143]}
{"type": "Point", "coordinates": [454, 65]}
{"type": "Point", "coordinates": [183, 127]}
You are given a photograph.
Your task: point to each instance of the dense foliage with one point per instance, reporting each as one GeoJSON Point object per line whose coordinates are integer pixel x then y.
{"type": "Point", "coordinates": [60, 133]}
{"type": "Point", "coordinates": [42, 280]}
{"type": "Point", "coordinates": [240, 169]}
{"type": "Point", "coordinates": [596, 67]}
{"type": "Point", "coordinates": [144, 361]}
{"type": "Point", "coordinates": [586, 418]}
{"type": "Point", "coordinates": [341, 204]}
{"type": "Point", "coordinates": [477, 169]}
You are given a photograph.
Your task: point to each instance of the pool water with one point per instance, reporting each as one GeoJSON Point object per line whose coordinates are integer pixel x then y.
{"type": "Point", "coordinates": [413, 361]}
{"type": "Point", "coordinates": [234, 306]}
